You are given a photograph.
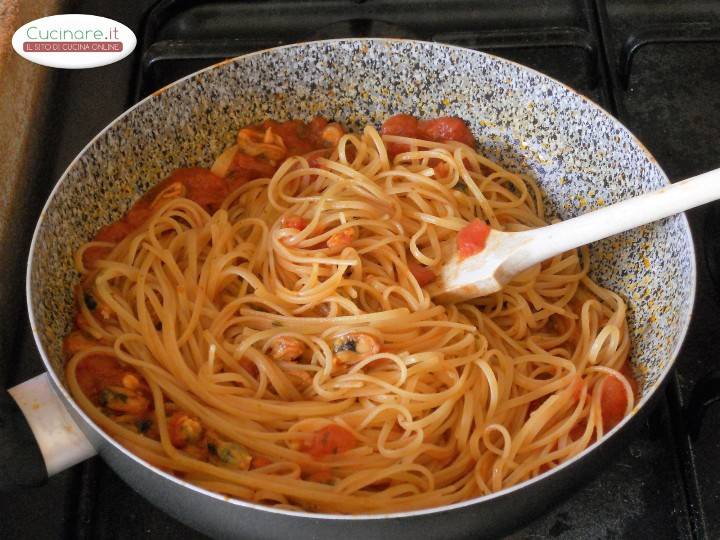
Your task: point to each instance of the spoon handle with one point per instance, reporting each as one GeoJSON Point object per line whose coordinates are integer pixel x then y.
{"type": "Point", "coordinates": [549, 241]}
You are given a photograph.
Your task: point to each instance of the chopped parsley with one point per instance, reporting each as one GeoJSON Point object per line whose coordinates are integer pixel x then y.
{"type": "Point", "coordinates": [108, 395]}
{"type": "Point", "coordinates": [226, 454]}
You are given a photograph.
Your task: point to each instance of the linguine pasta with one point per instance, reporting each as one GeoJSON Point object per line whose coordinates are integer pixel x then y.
{"type": "Point", "coordinates": [282, 348]}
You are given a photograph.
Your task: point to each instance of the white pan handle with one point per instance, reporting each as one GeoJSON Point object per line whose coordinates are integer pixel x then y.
{"type": "Point", "coordinates": [619, 217]}
{"type": "Point", "coordinates": [61, 442]}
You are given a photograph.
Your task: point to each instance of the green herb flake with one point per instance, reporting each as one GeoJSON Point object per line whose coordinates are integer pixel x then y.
{"type": "Point", "coordinates": [226, 454]}
{"type": "Point", "coordinates": [108, 395]}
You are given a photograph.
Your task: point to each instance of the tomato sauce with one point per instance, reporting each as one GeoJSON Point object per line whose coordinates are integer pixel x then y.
{"type": "Point", "coordinates": [96, 372]}
{"type": "Point", "coordinates": [209, 190]}
{"type": "Point", "coordinates": [299, 137]}
{"type": "Point", "coordinates": [260, 461]}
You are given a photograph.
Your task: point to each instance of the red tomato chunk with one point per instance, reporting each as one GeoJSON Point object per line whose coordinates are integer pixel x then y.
{"type": "Point", "coordinates": [403, 125]}
{"type": "Point", "coordinates": [331, 440]}
{"type": "Point", "coordinates": [613, 400]}
{"type": "Point", "coordinates": [294, 222]}
{"type": "Point", "coordinates": [449, 128]}
{"type": "Point", "coordinates": [471, 239]}
{"type": "Point", "coordinates": [422, 274]}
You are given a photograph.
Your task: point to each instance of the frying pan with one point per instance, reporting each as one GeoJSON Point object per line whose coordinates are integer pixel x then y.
{"type": "Point", "coordinates": [581, 157]}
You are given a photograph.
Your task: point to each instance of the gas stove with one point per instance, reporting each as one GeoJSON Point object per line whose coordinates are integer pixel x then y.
{"type": "Point", "coordinates": [654, 65]}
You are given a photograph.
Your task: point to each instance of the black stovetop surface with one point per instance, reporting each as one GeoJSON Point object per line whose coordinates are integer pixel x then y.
{"type": "Point", "coordinates": [652, 63]}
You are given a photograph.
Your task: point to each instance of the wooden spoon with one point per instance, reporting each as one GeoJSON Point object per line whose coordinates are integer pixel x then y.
{"type": "Point", "coordinates": [506, 254]}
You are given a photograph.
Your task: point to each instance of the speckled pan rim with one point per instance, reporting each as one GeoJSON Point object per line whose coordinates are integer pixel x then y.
{"type": "Point", "coordinates": [59, 386]}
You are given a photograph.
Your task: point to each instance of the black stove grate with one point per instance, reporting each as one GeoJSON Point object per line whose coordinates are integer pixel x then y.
{"type": "Point", "coordinates": [554, 37]}
{"type": "Point", "coordinates": [652, 64]}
